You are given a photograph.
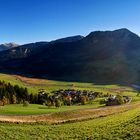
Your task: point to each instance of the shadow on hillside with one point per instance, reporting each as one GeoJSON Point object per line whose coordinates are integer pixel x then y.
{"type": "Point", "coordinates": [73, 79]}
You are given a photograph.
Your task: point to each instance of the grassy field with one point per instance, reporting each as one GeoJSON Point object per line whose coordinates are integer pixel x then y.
{"type": "Point", "coordinates": [114, 123]}
{"type": "Point", "coordinates": [121, 126]}
{"type": "Point", "coordinates": [18, 109]}
{"type": "Point", "coordinates": [69, 115]}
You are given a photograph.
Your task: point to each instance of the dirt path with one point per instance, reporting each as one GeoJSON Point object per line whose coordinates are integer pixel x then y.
{"type": "Point", "coordinates": [70, 116]}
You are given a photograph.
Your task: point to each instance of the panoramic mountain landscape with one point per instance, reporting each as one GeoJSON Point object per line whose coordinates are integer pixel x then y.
{"type": "Point", "coordinates": [69, 70]}
{"type": "Point", "coordinates": [71, 79]}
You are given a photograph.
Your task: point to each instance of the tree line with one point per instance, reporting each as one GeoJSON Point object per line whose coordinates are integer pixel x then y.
{"type": "Point", "coordinates": [10, 94]}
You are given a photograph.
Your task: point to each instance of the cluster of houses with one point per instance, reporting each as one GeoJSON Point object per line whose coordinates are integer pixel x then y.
{"type": "Point", "coordinates": [112, 100]}
{"type": "Point", "coordinates": [75, 93]}
{"type": "Point", "coordinates": [72, 96]}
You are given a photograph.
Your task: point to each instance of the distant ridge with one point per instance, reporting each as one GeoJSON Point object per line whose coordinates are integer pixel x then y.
{"type": "Point", "coordinates": [6, 46]}
{"type": "Point", "coordinates": [68, 39]}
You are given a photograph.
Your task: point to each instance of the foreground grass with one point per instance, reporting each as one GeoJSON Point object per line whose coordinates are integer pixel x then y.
{"type": "Point", "coordinates": [122, 126]}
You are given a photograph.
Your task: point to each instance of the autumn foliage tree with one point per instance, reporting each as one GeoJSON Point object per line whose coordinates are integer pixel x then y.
{"type": "Point", "coordinates": [14, 99]}
{"type": "Point", "coordinates": [84, 100]}
{"type": "Point", "coordinates": [4, 100]}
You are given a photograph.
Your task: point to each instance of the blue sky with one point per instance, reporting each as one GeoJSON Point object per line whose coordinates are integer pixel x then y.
{"type": "Point", "coordinates": [24, 21]}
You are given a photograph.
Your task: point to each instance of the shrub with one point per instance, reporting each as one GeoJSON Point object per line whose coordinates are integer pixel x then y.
{"type": "Point", "coordinates": [48, 103]}
{"type": "Point", "coordinates": [25, 103]}
{"type": "Point", "coordinates": [58, 103]}
{"type": "Point", "coordinates": [119, 99]}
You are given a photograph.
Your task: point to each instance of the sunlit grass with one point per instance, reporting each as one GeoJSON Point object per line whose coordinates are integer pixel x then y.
{"type": "Point", "coordinates": [122, 126]}
{"type": "Point", "coordinates": [18, 109]}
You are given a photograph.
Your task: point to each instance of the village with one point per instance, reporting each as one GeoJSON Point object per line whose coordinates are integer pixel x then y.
{"type": "Point", "coordinates": [80, 97]}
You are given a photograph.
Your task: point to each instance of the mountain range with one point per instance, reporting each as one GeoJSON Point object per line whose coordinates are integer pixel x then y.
{"type": "Point", "coordinates": [7, 46]}
{"type": "Point", "coordinates": [101, 56]}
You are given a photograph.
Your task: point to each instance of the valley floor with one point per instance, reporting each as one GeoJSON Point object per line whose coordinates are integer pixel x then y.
{"type": "Point", "coordinates": [121, 126]}
{"type": "Point", "coordinates": [70, 122]}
